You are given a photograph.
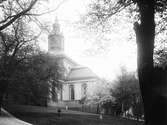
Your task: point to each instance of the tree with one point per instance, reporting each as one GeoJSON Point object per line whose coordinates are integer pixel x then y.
{"type": "Point", "coordinates": [17, 44]}
{"type": "Point", "coordinates": [33, 81]}
{"type": "Point", "coordinates": [154, 103]}
{"type": "Point", "coordinates": [127, 93]}
{"type": "Point", "coordinates": [11, 11]}
{"type": "Point", "coordinates": [98, 91]}
{"type": "Point", "coordinates": [99, 95]}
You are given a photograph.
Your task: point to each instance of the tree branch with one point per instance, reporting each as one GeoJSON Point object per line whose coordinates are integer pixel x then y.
{"type": "Point", "coordinates": [15, 17]}
{"type": "Point", "coordinates": [50, 11]}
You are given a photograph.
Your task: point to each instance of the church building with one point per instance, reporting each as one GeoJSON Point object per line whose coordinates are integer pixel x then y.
{"type": "Point", "coordinates": [77, 81]}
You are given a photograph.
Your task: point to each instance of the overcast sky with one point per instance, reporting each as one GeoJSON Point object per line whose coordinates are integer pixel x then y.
{"type": "Point", "coordinates": [119, 53]}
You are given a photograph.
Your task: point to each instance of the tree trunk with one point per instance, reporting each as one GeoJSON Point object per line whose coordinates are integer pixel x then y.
{"type": "Point", "coordinates": [154, 104]}
{"type": "Point", "coordinates": [3, 87]}
{"type": "Point", "coordinates": [1, 101]}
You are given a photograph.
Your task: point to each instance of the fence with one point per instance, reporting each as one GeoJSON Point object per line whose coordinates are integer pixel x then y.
{"type": "Point", "coordinates": [86, 108]}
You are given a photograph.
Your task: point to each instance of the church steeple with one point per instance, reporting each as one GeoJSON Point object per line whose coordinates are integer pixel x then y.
{"type": "Point", "coordinates": [56, 39]}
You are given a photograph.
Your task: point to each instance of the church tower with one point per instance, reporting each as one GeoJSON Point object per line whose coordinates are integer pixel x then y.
{"type": "Point", "coordinates": [56, 40]}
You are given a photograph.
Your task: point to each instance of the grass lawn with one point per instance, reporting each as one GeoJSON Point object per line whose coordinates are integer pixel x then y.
{"type": "Point", "coordinates": [48, 116]}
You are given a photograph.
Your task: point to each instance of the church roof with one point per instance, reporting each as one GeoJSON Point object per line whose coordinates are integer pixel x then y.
{"type": "Point", "coordinates": [81, 73]}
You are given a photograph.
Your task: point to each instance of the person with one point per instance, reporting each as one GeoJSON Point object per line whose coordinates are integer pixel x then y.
{"type": "Point", "coordinates": [59, 112]}
{"type": "Point", "coordinates": [66, 107]}
{"type": "Point", "coordinates": [101, 112]}
{"type": "Point", "coordinates": [101, 116]}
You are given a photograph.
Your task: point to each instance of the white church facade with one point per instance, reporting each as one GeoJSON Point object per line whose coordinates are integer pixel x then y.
{"type": "Point", "coordinates": [77, 81]}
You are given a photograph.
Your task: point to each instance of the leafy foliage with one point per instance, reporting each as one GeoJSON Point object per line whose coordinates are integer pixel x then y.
{"type": "Point", "coordinates": [17, 44]}
{"type": "Point", "coordinates": [33, 81]}
{"type": "Point", "coordinates": [126, 91]}
{"type": "Point", "coordinates": [99, 92]}
{"type": "Point", "coordinates": [28, 73]}
{"type": "Point", "coordinates": [101, 11]}
{"type": "Point", "coordinates": [160, 58]}
{"type": "Point", "coordinates": [154, 101]}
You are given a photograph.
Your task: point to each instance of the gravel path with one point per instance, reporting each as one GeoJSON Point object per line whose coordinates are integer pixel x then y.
{"type": "Point", "coordinates": [8, 119]}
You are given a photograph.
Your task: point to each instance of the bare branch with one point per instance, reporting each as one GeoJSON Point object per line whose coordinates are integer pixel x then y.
{"type": "Point", "coordinates": [104, 14]}
{"type": "Point", "coordinates": [50, 11]}
{"type": "Point", "coordinates": [119, 9]}
{"type": "Point", "coordinates": [15, 17]}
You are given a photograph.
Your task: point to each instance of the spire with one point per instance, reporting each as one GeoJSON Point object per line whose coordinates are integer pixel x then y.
{"type": "Point", "coordinates": [56, 27]}
{"type": "Point", "coordinates": [56, 39]}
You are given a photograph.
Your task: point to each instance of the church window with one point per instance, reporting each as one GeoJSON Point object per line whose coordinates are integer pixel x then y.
{"type": "Point", "coordinates": [72, 93]}
{"type": "Point", "coordinates": [84, 89]}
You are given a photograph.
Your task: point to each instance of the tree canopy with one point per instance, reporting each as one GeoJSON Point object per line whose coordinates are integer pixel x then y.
{"type": "Point", "coordinates": [145, 31]}
{"type": "Point", "coordinates": [33, 80]}
{"type": "Point", "coordinates": [126, 91]}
